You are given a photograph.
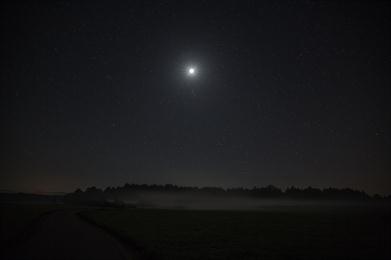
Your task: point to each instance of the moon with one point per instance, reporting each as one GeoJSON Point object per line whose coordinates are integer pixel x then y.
{"type": "Point", "coordinates": [191, 71]}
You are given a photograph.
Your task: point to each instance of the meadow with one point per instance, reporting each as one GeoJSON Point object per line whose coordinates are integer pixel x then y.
{"type": "Point", "coordinates": [274, 233]}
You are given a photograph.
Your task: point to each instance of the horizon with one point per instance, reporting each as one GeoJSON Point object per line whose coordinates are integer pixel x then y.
{"type": "Point", "coordinates": [225, 188]}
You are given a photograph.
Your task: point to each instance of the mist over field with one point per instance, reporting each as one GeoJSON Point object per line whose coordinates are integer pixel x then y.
{"type": "Point", "coordinates": [214, 198]}
{"type": "Point", "coordinates": [191, 201]}
{"type": "Point", "coordinates": [210, 202]}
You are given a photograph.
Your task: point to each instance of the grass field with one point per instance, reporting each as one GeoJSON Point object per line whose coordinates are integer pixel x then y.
{"type": "Point", "coordinates": [354, 233]}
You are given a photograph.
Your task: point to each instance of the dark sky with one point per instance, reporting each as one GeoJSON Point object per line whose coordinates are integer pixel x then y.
{"type": "Point", "coordinates": [286, 94]}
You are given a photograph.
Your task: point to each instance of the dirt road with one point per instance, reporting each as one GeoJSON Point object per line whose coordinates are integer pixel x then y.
{"type": "Point", "coordinates": [63, 235]}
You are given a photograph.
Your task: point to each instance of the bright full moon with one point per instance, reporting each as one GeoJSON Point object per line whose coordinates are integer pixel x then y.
{"type": "Point", "coordinates": [191, 71]}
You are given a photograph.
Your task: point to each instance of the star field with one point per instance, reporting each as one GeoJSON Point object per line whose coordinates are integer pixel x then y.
{"type": "Point", "coordinates": [283, 93]}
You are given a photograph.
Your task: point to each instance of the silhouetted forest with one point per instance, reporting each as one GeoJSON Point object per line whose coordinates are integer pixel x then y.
{"type": "Point", "coordinates": [129, 191]}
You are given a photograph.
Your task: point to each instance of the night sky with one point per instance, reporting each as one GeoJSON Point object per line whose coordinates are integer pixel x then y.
{"type": "Point", "coordinates": [285, 94]}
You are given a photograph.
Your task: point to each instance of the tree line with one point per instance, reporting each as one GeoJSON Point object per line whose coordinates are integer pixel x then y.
{"type": "Point", "coordinates": [128, 190]}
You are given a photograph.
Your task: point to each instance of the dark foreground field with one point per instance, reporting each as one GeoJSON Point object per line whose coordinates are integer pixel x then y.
{"type": "Point", "coordinates": [306, 232]}
{"type": "Point", "coordinates": [277, 233]}
{"type": "Point", "coordinates": [54, 232]}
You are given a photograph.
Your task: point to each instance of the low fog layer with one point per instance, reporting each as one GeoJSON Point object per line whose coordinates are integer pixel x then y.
{"type": "Point", "coordinates": [171, 196]}
{"type": "Point", "coordinates": [207, 202]}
